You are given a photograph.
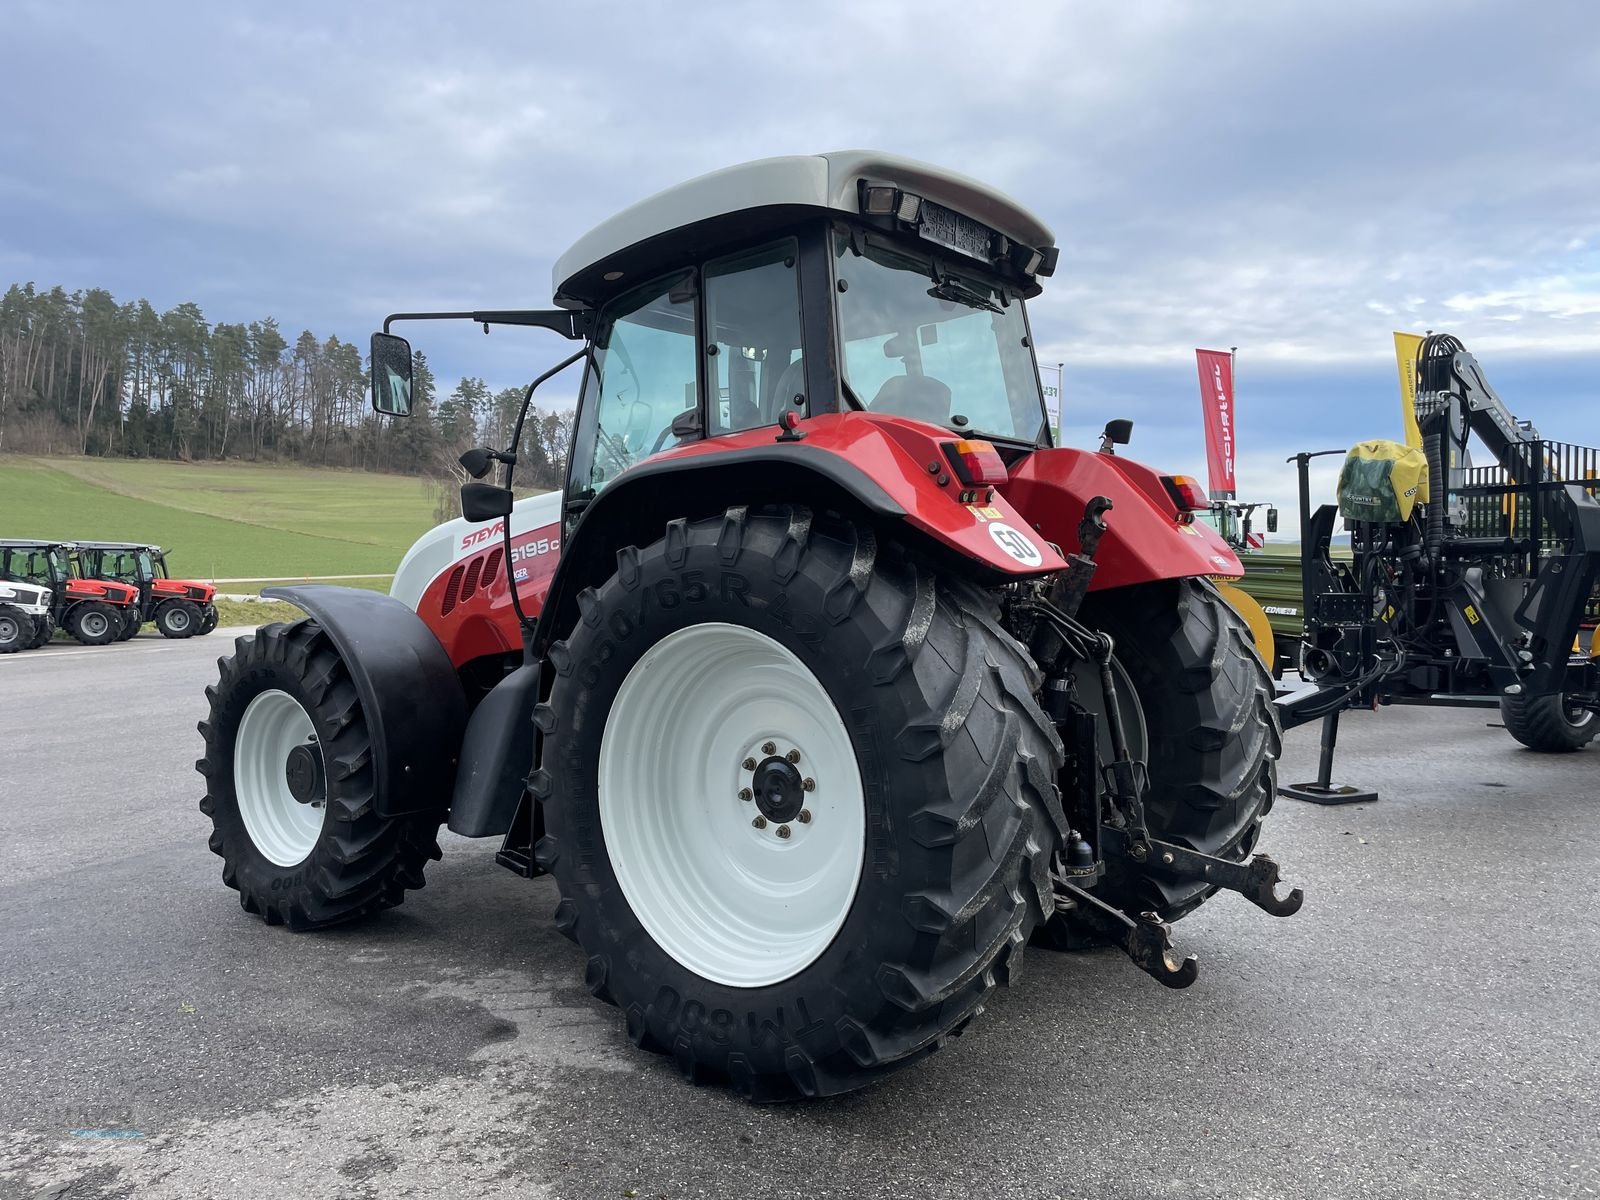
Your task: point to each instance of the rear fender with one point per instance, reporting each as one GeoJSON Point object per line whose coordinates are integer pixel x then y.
{"type": "Point", "coordinates": [1145, 540]}
{"type": "Point", "coordinates": [409, 692]}
{"type": "Point", "coordinates": [890, 470]}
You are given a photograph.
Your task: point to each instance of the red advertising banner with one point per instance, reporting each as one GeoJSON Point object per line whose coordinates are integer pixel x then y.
{"type": "Point", "coordinates": [1216, 399]}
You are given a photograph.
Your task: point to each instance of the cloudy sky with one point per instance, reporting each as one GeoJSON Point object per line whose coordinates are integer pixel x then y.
{"type": "Point", "coordinates": [1297, 180]}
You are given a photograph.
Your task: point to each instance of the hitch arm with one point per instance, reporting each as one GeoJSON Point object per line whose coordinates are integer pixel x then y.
{"type": "Point", "coordinates": [1256, 880]}
{"type": "Point", "coordinates": [1147, 940]}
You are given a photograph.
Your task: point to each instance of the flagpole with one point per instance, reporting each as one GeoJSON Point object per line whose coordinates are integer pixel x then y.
{"type": "Point", "coordinates": [1061, 399]}
{"type": "Point", "coordinates": [1233, 370]}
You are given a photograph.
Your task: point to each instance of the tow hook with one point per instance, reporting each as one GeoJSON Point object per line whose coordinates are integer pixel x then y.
{"type": "Point", "coordinates": [1147, 939]}
{"type": "Point", "coordinates": [1256, 880]}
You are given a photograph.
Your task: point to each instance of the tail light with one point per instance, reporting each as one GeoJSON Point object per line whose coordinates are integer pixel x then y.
{"type": "Point", "coordinates": [976, 464]}
{"type": "Point", "coordinates": [1186, 493]}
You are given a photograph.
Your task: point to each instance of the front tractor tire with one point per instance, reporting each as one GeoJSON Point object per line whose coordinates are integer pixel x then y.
{"type": "Point", "coordinates": [290, 787]}
{"type": "Point", "coordinates": [130, 624]}
{"type": "Point", "coordinates": [17, 630]}
{"type": "Point", "coordinates": [1200, 712]}
{"type": "Point", "coordinates": [1549, 723]}
{"type": "Point", "coordinates": [43, 630]}
{"type": "Point", "coordinates": [208, 619]}
{"type": "Point", "coordinates": [94, 622]}
{"type": "Point", "coordinates": [178, 619]}
{"type": "Point", "coordinates": [799, 801]}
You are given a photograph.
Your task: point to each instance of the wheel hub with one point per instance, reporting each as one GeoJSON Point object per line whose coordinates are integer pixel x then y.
{"type": "Point", "coordinates": [302, 771]}
{"type": "Point", "coordinates": [779, 790]}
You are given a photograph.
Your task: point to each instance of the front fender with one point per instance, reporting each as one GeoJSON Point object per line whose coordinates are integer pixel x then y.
{"type": "Point", "coordinates": [409, 692]}
{"type": "Point", "coordinates": [1145, 541]}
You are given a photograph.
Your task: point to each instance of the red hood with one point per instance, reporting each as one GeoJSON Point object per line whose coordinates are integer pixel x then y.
{"type": "Point", "coordinates": [102, 589]}
{"type": "Point", "coordinates": [190, 589]}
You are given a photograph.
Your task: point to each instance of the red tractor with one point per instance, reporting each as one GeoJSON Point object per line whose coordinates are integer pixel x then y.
{"type": "Point", "coordinates": [94, 611]}
{"type": "Point", "coordinates": [825, 685]}
{"type": "Point", "coordinates": [180, 608]}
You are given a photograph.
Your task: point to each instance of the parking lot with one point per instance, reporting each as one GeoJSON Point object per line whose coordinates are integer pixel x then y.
{"type": "Point", "coordinates": [1424, 1027]}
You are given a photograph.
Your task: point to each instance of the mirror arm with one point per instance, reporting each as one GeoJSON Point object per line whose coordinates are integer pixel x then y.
{"type": "Point", "coordinates": [509, 461]}
{"type": "Point", "coordinates": [570, 325]}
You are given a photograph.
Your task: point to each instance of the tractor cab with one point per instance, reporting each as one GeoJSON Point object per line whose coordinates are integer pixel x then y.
{"type": "Point", "coordinates": [179, 607]}
{"type": "Point", "coordinates": [795, 289]}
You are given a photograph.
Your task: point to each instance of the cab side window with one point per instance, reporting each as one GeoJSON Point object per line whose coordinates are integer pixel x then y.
{"type": "Point", "coordinates": [643, 376]}
{"type": "Point", "coordinates": [757, 367]}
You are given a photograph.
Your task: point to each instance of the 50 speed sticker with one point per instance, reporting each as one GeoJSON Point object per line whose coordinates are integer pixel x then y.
{"type": "Point", "coordinates": [1015, 543]}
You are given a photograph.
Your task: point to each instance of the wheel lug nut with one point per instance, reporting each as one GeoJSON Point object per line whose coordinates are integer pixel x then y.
{"type": "Point", "coordinates": [759, 822]}
{"type": "Point", "coordinates": [809, 785]}
{"type": "Point", "coordinates": [768, 748]}
{"type": "Point", "coordinates": [749, 764]}
{"type": "Point", "coordinates": [783, 831]}
{"type": "Point", "coordinates": [793, 756]}
{"type": "Point", "coordinates": [746, 794]}
{"type": "Point", "coordinates": [805, 816]}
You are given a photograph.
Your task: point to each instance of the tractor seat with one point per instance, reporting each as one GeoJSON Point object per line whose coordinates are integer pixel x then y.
{"type": "Point", "coordinates": [791, 383]}
{"type": "Point", "coordinates": [920, 397]}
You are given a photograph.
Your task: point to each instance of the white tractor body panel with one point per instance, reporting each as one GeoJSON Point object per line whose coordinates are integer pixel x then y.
{"type": "Point", "coordinates": [436, 551]}
{"type": "Point", "coordinates": [820, 181]}
{"type": "Point", "coordinates": [31, 599]}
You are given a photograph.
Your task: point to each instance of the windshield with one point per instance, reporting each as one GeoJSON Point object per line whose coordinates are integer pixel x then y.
{"type": "Point", "coordinates": [921, 340]}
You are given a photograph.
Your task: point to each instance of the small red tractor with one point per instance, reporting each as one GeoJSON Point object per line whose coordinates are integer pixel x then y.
{"type": "Point", "coordinates": [825, 686]}
{"type": "Point", "coordinates": [94, 611]}
{"type": "Point", "coordinates": [179, 608]}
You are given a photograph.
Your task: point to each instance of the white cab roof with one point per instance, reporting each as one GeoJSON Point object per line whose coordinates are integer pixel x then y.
{"type": "Point", "coordinates": [827, 181]}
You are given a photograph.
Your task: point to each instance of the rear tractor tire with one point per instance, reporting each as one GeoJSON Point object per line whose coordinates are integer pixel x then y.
{"type": "Point", "coordinates": [1548, 724]}
{"type": "Point", "coordinates": [799, 801]}
{"type": "Point", "coordinates": [1200, 713]}
{"type": "Point", "coordinates": [178, 619]}
{"type": "Point", "coordinates": [290, 787]}
{"type": "Point", "coordinates": [94, 622]}
{"type": "Point", "coordinates": [17, 630]}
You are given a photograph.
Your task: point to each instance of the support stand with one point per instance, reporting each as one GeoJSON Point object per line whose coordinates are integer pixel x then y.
{"type": "Point", "coordinates": [1323, 791]}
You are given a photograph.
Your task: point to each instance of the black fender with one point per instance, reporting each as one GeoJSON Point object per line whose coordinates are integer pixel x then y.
{"type": "Point", "coordinates": [635, 508]}
{"type": "Point", "coordinates": [496, 756]}
{"type": "Point", "coordinates": [409, 691]}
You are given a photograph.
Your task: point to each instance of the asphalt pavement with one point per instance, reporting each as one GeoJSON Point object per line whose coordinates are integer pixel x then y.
{"type": "Point", "coordinates": [1424, 1027]}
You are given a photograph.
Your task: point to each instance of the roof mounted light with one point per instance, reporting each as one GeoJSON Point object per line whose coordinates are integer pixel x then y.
{"type": "Point", "coordinates": [892, 202]}
{"type": "Point", "coordinates": [880, 201]}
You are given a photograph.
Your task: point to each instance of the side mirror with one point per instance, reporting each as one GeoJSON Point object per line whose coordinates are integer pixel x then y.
{"type": "Point", "coordinates": [391, 375]}
{"type": "Point", "coordinates": [477, 462]}
{"type": "Point", "coordinates": [485, 502]}
{"type": "Point", "coordinates": [1119, 432]}
{"type": "Point", "coordinates": [1272, 520]}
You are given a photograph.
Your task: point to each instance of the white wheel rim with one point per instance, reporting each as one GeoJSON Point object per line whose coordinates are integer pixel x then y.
{"type": "Point", "coordinates": [734, 903]}
{"type": "Point", "coordinates": [282, 828]}
{"type": "Point", "coordinates": [94, 624]}
{"type": "Point", "coordinates": [10, 630]}
{"type": "Point", "coordinates": [178, 620]}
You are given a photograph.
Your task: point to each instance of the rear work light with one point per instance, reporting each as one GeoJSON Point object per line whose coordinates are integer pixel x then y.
{"type": "Point", "coordinates": [976, 464]}
{"type": "Point", "coordinates": [1186, 493]}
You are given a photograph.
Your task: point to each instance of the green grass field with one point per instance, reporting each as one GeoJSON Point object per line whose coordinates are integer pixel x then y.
{"type": "Point", "coordinates": [222, 520]}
